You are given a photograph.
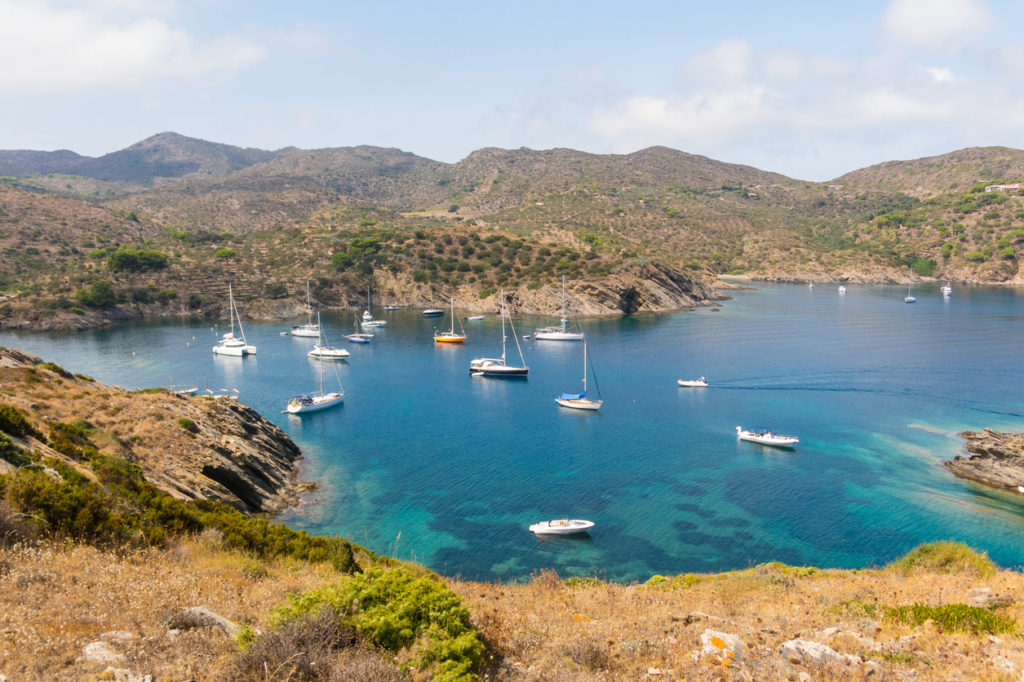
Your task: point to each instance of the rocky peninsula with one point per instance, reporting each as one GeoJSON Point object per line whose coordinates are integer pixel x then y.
{"type": "Point", "coordinates": [190, 447]}
{"type": "Point", "coordinates": [995, 459]}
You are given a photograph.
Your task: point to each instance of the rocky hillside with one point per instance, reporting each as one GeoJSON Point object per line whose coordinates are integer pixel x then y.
{"type": "Point", "coordinates": [190, 447]}
{"type": "Point", "coordinates": [269, 221]}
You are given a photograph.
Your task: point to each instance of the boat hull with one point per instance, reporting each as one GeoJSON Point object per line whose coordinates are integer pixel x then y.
{"type": "Point", "coordinates": [449, 338]}
{"type": "Point", "coordinates": [305, 330]}
{"type": "Point", "coordinates": [234, 350]}
{"type": "Point", "coordinates": [557, 335]}
{"type": "Point", "coordinates": [692, 384]}
{"type": "Point", "coordinates": [580, 403]}
{"type": "Point", "coordinates": [433, 312]}
{"type": "Point", "coordinates": [561, 527]}
{"type": "Point", "coordinates": [297, 405]}
{"type": "Point", "coordinates": [767, 438]}
{"type": "Point", "coordinates": [496, 368]}
{"type": "Point", "coordinates": [328, 353]}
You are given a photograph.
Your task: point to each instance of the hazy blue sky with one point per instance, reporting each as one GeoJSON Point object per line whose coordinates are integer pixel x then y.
{"type": "Point", "coordinates": [811, 89]}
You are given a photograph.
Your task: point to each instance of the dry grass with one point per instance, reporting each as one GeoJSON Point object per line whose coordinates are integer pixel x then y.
{"type": "Point", "coordinates": [56, 599]}
{"type": "Point", "coordinates": [544, 630]}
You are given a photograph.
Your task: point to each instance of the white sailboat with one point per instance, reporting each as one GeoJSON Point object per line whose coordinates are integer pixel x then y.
{"type": "Point", "coordinates": [497, 367]}
{"type": "Point", "coordinates": [451, 336]}
{"type": "Point", "coordinates": [580, 401]}
{"type": "Point", "coordinates": [314, 402]}
{"type": "Point", "coordinates": [908, 298]}
{"type": "Point", "coordinates": [368, 320]}
{"type": "Point", "coordinates": [309, 329]}
{"type": "Point", "coordinates": [323, 350]}
{"type": "Point", "coordinates": [561, 332]}
{"type": "Point", "coordinates": [230, 344]}
{"type": "Point", "coordinates": [946, 290]}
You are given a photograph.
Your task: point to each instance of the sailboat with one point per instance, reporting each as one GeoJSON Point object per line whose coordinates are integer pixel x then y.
{"type": "Point", "coordinates": [323, 350]}
{"type": "Point", "coordinates": [580, 401]}
{"type": "Point", "coordinates": [230, 344]}
{"type": "Point", "coordinates": [561, 332]}
{"type": "Point", "coordinates": [368, 320]}
{"type": "Point", "coordinates": [357, 336]}
{"type": "Point", "coordinates": [946, 290]}
{"type": "Point", "coordinates": [314, 402]}
{"type": "Point", "coordinates": [908, 298]}
{"type": "Point", "coordinates": [308, 329]}
{"type": "Point", "coordinates": [496, 367]}
{"type": "Point", "coordinates": [450, 336]}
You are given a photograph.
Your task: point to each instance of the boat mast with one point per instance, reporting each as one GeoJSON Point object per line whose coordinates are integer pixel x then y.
{"type": "Point", "coordinates": [584, 367]}
{"type": "Point", "coordinates": [502, 295]}
{"type": "Point", "coordinates": [563, 303]}
{"type": "Point", "coordinates": [453, 316]}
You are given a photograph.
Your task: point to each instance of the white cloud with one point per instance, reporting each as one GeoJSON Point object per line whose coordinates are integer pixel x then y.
{"type": "Point", "coordinates": [935, 24]}
{"type": "Point", "coordinates": [702, 114]}
{"type": "Point", "coordinates": [940, 75]}
{"type": "Point", "coordinates": [728, 62]}
{"type": "Point", "coordinates": [48, 49]}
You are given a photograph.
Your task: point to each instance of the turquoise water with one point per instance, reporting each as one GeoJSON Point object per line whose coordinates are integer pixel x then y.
{"type": "Point", "coordinates": [425, 462]}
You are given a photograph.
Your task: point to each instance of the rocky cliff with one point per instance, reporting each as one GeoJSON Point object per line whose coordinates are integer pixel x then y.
{"type": "Point", "coordinates": [995, 459]}
{"type": "Point", "coordinates": [191, 447]}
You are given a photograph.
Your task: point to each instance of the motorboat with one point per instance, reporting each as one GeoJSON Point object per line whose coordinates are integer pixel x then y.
{"type": "Point", "coordinates": [561, 332]}
{"type": "Point", "coordinates": [497, 367]}
{"type": "Point", "coordinates": [433, 312]}
{"type": "Point", "coordinates": [368, 321]}
{"type": "Point", "coordinates": [392, 308]}
{"type": "Point", "coordinates": [766, 437]}
{"type": "Point", "coordinates": [309, 329]}
{"type": "Point", "coordinates": [314, 402]}
{"type": "Point", "coordinates": [475, 317]}
{"type": "Point", "coordinates": [561, 527]}
{"type": "Point", "coordinates": [451, 336]}
{"type": "Point", "coordinates": [323, 350]}
{"type": "Point", "coordinates": [842, 289]}
{"type": "Point", "coordinates": [580, 401]}
{"type": "Point", "coordinates": [230, 344]}
{"type": "Point", "coordinates": [694, 383]}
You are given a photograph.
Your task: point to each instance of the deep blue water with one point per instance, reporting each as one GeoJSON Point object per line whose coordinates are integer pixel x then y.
{"type": "Point", "coordinates": [425, 462]}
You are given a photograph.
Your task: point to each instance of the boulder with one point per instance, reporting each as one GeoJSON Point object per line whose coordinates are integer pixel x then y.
{"type": "Point", "coordinates": [723, 648]}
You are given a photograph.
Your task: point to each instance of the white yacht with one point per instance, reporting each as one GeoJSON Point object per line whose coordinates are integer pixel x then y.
{"type": "Point", "coordinates": [766, 437]}
{"type": "Point", "coordinates": [309, 329]}
{"type": "Point", "coordinates": [323, 350]}
{"type": "Point", "coordinates": [230, 344]}
{"type": "Point", "coordinates": [561, 332]}
{"type": "Point", "coordinates": [314, 402]}
{"type": "Point", "coordinates": [561, 527]}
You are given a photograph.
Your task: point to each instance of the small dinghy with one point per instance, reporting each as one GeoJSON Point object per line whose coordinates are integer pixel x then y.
{"type": "Point", "coordinates": [561, 527]}
{"type": "Point", "coordinates": [694, 383]}
{"type": "Point", "coordinates": [766, 437]}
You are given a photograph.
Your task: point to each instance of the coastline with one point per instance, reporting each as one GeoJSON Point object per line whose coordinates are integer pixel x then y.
{"type": "Point", "coordinates": [995, 459]}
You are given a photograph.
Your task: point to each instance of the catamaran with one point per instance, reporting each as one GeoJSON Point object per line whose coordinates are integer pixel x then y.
{"type": "Point", "coordinates": [308, 329]}
{"type": "Point", "coordinates": [230, 344]}
{"type": "Point", "coordinates": [561, 332]}
{"type": "Point", "coordinates": [497, 367]}
{"type": "Point", "coordinates": [451, 336]}
{"type": "Point", "coordinates": [580, 401]}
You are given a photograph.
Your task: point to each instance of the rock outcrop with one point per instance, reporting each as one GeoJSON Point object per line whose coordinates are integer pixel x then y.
{"type": "Point", "coordinates": [190, 447]}
{"type": "Point", "coordinates": [995, 459]}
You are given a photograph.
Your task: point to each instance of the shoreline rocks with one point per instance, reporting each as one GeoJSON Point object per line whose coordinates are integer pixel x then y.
{"type": "Point", "coordinates": [995, 459]}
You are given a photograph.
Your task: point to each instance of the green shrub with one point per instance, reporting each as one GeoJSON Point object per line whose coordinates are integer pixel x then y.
{"type": "Point", "coordinates": [13, 454]}
{"type": "Point", "coordinates": [224, 254]}
{"type": "Point", "coordinates": [395, 609]}
{"type": "Point", "coordinates": [126, 259]}
{"type": "Point", "coordinates": [72, 440]}
{"type": "Point", "coordinates": [188, 425]}
{"type": "Point", "coordinates": [582, 582]}
{"type": "Point", "coordinates": [954, 618]}
{"type": "Point", "coordinates": [924, 266]}
{"type": "Point", "coordinates": [13, 421]}
{"type": "Point", "coordinates": [57, 369]}
{"type": "Point", "coordinates": [975, 256]}
{"type": "Point", "coordinates": [66, 509]}
{"type": "Point", "coordinates": [946, 557]}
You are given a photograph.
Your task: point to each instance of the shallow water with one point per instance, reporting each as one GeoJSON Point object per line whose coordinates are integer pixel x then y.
{"type": "Point", "coordinates": [425, 462]}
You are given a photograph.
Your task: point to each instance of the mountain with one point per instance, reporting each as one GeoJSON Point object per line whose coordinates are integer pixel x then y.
{"type": "Point", "coordinates": [934, 175]}
{"type": "Point", "coordinates": [156, 160]}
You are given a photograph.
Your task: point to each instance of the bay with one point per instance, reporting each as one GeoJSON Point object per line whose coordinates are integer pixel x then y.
{"type": "Point", "coordinates": [425, 462]}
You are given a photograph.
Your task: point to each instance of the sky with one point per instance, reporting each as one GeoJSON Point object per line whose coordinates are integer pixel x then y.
{"type": "Point", "coordinates": [807, 88]}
